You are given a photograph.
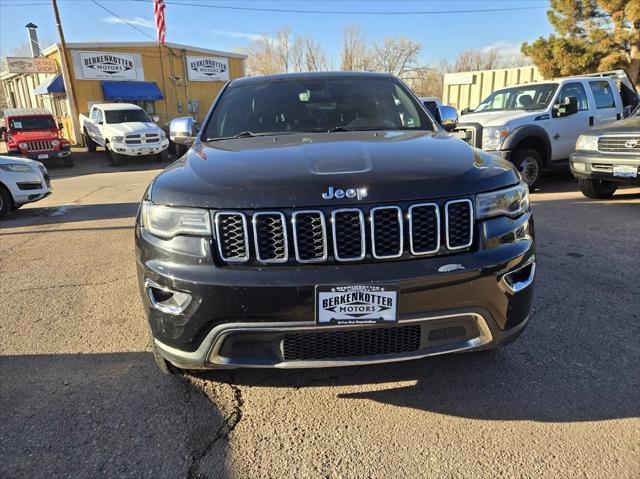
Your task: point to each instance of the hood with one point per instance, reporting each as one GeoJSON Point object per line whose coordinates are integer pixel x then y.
{"type": "Point", "coordinates": [134, 127]}
{"type": "Point", "coordinates": [628, 125]}
{"type": "Point", "coordinates": [499, 118]}
{"type": "Point", "coordinates": [5, 160]}
{"type": "Point", "coordinates": [295, 170]}
{"type": "Point", "coordinates": [34, 135]}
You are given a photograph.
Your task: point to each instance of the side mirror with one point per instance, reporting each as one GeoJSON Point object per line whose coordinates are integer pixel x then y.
{"type": "Point", "coordinates": [183, 130]}
{"type": "Point", "coordinates": [447, 116]}
{"type": "Point", "coordinates": [155, 118]}
{"type": "Point", "coordinates": [60, 126]}
{"type": "Point", "coordinates": [568, 107]}
{"type": "Point", "coordinates": [100, 122]}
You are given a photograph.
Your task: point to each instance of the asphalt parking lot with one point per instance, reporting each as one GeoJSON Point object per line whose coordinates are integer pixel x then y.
{"type": "Point", "coordinates": [81, 396]}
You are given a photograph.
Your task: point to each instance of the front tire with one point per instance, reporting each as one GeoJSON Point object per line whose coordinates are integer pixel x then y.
{"type": "Point", "coordinates": [163, 155]}
{"type": "Point", "coordinates": [114, 158]}
{"type": "Point", "coordinates": [529, 164]}
{"type": "Point", "coordinates": [597, 189]}
{"type": "Point", "coordinates": [163, 365]}
{"type": "Point", "coordinates": [91, 145]}
{"type": "Point", "coordinates": [6, 201]}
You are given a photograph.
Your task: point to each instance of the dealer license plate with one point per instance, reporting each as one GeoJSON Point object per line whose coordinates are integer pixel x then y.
{"type": "Point", "coordinates": [365, 304]}
{"type": "Point", "coordinates": [625, 171]}
{"type": "Point", "coordinates": [43, 157]}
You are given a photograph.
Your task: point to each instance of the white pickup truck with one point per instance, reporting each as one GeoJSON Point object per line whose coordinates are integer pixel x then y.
{"type": "Point", "coordinates": [123, 130]}
{"type": "Point", "coordinates": [536, 125]}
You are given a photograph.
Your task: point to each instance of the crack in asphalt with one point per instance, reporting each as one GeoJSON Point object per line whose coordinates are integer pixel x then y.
{"type": "Point", "coordinates": [229, 425]}
{"type": "Point", "coordinates": [73, 285]}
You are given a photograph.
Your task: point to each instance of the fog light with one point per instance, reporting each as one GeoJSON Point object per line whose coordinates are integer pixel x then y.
{"type": "Point", "coordinates": [165, 299]}
{"type": "Point", "coordinates": [577, 166]}
{"type": "Point", "coordinates": [23, 146]}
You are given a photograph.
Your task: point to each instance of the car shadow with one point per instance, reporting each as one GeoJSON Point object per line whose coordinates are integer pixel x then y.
{"type": "Point", "coordinates": [106, 415]}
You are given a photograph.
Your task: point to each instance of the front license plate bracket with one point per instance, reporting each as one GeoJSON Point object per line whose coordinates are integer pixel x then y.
{"type": "Point", "coordinates": [356, 304]}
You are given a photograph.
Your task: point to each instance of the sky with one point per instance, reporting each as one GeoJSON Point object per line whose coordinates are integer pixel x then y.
{"type": "Point", "coordinates": [204, 24]}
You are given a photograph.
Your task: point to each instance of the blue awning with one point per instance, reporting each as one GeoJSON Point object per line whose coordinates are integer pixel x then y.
{"type": "Point", "coordinates": [52, 85]}
{"type": "Point", "coordinates": [130, 90]}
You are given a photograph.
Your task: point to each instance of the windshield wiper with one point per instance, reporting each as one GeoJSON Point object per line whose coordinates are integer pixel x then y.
{"type": "Point", "coordinates": [250, 134]}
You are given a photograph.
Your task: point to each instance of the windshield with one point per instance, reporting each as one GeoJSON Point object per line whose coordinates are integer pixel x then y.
{"type": "Point", "coordinates": [315, 105]}
{"type": "Point", "coordinates": [524, 97]}
{"type": "Point", "coordinates": [32, 123]}
{"type": "Point", "coordinates": [125, 116]}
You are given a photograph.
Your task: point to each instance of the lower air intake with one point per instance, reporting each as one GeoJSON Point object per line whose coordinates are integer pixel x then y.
{"type": "Point", "coordinates": [351, 344]}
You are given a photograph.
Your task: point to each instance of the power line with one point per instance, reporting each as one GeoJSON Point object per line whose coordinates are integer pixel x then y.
{"type": "Point", "coordinates": [124, 20]}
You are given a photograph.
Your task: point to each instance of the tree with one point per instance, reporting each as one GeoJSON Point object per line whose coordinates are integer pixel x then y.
{"type": "Point", "coordinates": [592, 35]}
{"type": "Point", "coordinates": [396, 55]}
{"type": "Point", "coordinates": [355, 55]}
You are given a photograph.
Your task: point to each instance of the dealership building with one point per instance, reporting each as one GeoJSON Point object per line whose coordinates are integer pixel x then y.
{"type": "Point", "coordinates": [168, 81]}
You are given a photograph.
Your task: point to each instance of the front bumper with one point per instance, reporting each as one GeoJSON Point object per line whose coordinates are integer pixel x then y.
{"type": "Point", "coordinates": [45, 155]}
{"type": "Point", "coordinates": [140, 150]}
{"type": "Point", "coordinates": [600, 166]}
{"type": "Point", "coordinates": [240, 316]}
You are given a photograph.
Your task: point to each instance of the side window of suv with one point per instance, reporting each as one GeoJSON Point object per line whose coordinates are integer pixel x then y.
{"type": "Point", "coordinates": [602, 94]}
{"type": "Point", "coordinates": [577, 90]}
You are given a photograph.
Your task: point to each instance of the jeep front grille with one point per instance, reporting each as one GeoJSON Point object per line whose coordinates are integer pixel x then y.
{"type": "Point", "coordinates": [345, 234]}
{"type": "Point", "coordinates": [620, 144]}
{"type": "Point", "coordinates": [44, 145]}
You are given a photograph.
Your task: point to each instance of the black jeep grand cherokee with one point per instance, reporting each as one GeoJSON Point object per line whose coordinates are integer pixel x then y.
{"type": "Point", "coordinates": [325, 219]}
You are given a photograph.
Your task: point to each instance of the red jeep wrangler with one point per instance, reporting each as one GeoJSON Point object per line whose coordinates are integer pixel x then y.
{"type": "Point", "coordinates": [33, 133]}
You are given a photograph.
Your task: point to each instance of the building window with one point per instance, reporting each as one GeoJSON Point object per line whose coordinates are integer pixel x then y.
{"type": "Point", "coordinates": [146, 105]}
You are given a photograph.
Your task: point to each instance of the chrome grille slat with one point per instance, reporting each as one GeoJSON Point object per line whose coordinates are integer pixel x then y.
{"type": "Point", "coordinates": [39, 145]}
{"type": "Point", "coordinates": [387, 232]}
{"type": "Point", "coordinates": [270, 237]}
{"type": "Point", "coordinates": [345, 236]}
{"type": "Point", "coordinates": [459, 224]}
{"type": "Point", "coordinates": [424, 228]}
{"type": "Point", "coordinates": [367, 233]}
{"type": "Point", "coordinates": [309, 236]}
{"type": "Point", "coordinates": [232, 236]}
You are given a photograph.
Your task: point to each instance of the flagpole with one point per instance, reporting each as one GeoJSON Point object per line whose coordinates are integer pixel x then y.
{"type": "Point", "coordinates": [164, 83]}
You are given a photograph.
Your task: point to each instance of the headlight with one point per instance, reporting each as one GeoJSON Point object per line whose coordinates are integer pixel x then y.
{"type": "Point", "coordinates": [511, 202]}
{"type": "Point", "coordinates": [16, 167]}
{"type": "Point", "coordinates": [23, 146]}
{"type": "Point", "coordinates": [493, 136]}
{"type": "Point", "coordinates": [117, 139]}
{"type": "Point", "coordinates": [167, 221]}
{"type": "Point", "coordinates": [587, 143]}
{"type": "Point", "coordinates": [163, 135]}
{"type": "Point", "coordinates": [55, 143]}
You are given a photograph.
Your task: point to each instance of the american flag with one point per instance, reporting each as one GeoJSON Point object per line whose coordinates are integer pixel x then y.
{"type": "Point", "coordinates": [158, 11]}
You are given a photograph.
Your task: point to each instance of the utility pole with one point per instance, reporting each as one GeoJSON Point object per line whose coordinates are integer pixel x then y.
{"type": "Point", "coordinates": [66, 75]}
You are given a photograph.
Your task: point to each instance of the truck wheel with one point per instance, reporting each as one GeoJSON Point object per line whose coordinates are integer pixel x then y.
{"type": "Point", "coordinates": [68, 161]}
{"type": "Point", "coordinates": [597, 189]}
{"type": "Point", "coordinates": [529, 164]}
{"type": "Point", "coordinates": [114, 158]}
{"type": "Point", "coordinates": [6, 201]}
{"type": "Point", "coordinates": [163, 155]}
{"type": "Point", "coordinates": [91, 145]}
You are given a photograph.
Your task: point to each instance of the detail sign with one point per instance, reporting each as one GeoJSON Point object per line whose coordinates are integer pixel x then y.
{"type": "Point", "coordinates": [31, 65]}
{"type": "Point", "coordinates": [107, 66]}
{"type": "Point", "coordinates": [208, 68]}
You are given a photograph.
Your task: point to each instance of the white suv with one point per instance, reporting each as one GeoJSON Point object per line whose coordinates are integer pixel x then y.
{"type": "Point", "coordinates": [536, 125]}
{"type": "Point", "coordinates": [21, 181]}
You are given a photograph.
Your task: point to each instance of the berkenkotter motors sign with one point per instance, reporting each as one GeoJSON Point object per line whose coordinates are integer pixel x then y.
{"type": "Point", "coordinates": [208, 68]}
{"type": "Point", "coordinates": [107, 66]}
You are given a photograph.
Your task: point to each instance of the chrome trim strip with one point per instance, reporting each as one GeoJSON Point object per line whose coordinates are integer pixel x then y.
{"type": "Point", "coordinates": [520, 285]}
{"type": "Point", "coordinates": [446, 218]}
{"type": "Point", "coordinates": [295, 236]}
{"type": "Point", "coordinates": [284, 233]}
{"type": "Point", "coordinates": [362, 234]}
{"type": "Point", "coordinates": [410, 215]}
{"type": "Point", "coordinates": [236, 259]}
{"type": "Point", "coordinates": [373, 231]}
{"type": "Point", "coordinates": [207, 354]}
